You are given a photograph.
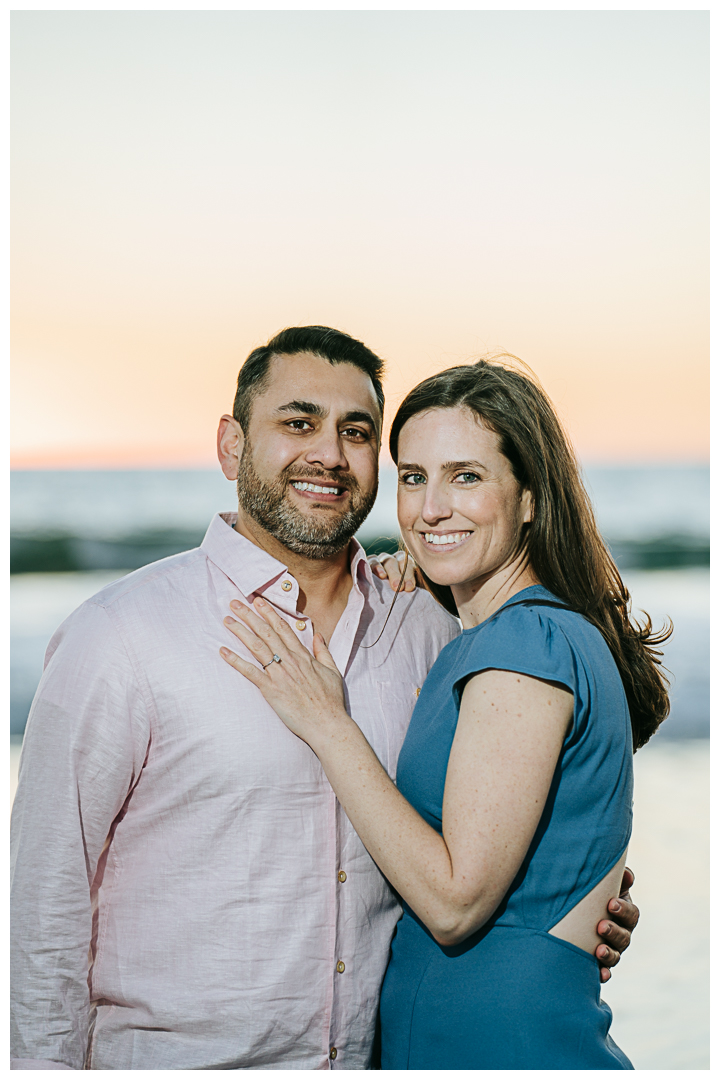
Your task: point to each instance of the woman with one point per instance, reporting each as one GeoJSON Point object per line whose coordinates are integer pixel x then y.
{"type": "Point", "coordinates": [507, 831]}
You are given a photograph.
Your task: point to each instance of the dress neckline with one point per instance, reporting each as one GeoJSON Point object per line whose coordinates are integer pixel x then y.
{"type": "Point", "coordinates": [530, 592]}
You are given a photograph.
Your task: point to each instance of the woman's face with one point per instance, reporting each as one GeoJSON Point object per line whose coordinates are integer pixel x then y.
{"type": "Point", "coordinates": [460, 508]}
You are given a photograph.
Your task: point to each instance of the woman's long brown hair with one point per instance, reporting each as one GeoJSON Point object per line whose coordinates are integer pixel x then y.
{"type": "Point", "coordinates": [563, 544]}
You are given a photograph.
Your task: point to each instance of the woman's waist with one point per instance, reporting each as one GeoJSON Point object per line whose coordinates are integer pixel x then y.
{"type": "Point", "coordinates": [499, 939]}
{"type": "Point", "coordinates": [547, 890]}
{"type": "Point", "coordinates": [508, 917]}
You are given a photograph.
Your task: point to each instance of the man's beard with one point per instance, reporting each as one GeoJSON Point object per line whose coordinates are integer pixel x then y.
{"type": "Point", "coordinates": [313, 537]}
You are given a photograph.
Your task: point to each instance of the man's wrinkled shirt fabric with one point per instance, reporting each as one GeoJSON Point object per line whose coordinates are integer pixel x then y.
{"type": "Point", "coordinates": [187, 891]}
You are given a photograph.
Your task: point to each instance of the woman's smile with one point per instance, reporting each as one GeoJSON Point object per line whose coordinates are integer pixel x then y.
{"type": "Point", "coordinates": [441, 543]}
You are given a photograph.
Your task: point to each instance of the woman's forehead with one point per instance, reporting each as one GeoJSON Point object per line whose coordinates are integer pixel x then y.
{"type": "Point", "coordinates": [457, 425]}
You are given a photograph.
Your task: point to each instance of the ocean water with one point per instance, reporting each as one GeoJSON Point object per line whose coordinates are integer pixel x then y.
{"type": "Point", "coordinates": [660, 991]}
{"type": "Point", "coordinates": [40, 602]}
{"type": "Point", "coordinates": [637, 503]}
{"type": "Point", "coordinates": [73, 531]}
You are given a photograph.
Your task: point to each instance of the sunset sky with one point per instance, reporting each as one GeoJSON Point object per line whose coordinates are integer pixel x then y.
{"type": "Point", "coordinates": [438, 184]}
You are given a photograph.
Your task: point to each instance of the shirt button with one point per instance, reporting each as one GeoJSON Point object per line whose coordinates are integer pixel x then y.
{"type": "Point", "coordinates": [300, 624]}
{"type": "Point", "coordinates": [333, 1053]}
{"type": "Point", "coordinates": [286, 586]}
{"type": "Point", "coordinates": [342, 876]}
{"type": "Point", "coordinates": [340, 967]}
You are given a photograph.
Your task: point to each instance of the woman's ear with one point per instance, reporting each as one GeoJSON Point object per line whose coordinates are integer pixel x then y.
{"type": "Point", "coordinates": [230, 442]}
{"type": "Point", "coordinates": [527, 502]}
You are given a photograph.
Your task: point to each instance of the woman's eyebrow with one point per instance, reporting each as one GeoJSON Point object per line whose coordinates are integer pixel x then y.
{"type": "Point", "coordinates": [450, 465]}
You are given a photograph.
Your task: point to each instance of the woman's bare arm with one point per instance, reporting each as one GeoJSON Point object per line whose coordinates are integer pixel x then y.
{"type": "Point", "coordinates": [506, 746]}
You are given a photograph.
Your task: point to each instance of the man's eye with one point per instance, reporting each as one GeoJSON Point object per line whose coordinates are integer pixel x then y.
{"type": "Point", "coordinates": [299, 425]}
{"type": "Point", "coordinates": [354, 433]}
{"type": "Point", "coordinates": [412, 479]}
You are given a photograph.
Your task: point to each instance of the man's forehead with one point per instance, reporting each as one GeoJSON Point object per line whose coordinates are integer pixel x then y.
{"type": "Point", "coordinates": [306, 376]}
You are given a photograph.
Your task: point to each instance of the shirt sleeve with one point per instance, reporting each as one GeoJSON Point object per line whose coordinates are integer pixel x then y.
{"type": "Point", "coordinates": [85, 745]}
{"type": "Point", "coordinates": [526, 640]}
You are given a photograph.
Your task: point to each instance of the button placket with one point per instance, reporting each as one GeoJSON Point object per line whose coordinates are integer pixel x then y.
{"type": "Point", "coordinates": [336, 988]}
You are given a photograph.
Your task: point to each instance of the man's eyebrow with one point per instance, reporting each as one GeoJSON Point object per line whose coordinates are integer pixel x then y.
{"type": "Point", "coordinates": [310, 408]}
{"type": "Point", "coordinates": [359, 416]}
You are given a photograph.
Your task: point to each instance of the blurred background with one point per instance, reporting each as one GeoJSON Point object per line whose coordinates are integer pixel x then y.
{"type": "Point", "coordinates": [441, 185]}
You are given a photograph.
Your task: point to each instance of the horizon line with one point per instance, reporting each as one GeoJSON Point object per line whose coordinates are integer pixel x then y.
{"type": "Point", "coordinates": [208, 465]}
{"type": "Point", "coordinates": [149, 456]}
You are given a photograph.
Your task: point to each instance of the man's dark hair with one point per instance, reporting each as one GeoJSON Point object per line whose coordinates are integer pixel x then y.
{"type": "Point", "coordinates": [332, 345]}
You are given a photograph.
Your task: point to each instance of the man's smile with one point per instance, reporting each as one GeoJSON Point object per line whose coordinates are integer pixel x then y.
{"type": "Point", "coordinates": [322, 492]}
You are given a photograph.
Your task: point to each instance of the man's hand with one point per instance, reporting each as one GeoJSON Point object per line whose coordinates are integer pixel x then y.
{"type": "Point", "coordinates": [390, 567]}
{"type": "Point", "coordinates": [616, 930]}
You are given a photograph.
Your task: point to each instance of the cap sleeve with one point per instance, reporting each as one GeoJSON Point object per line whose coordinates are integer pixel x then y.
{"type": "Point", "coordinates": [524, 639]}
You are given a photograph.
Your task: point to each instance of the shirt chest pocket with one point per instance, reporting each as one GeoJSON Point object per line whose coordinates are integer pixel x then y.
{"type": "Point", "coordinates": [397, 701]}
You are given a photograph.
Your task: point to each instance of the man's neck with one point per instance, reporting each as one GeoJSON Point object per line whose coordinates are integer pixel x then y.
{"type": "Point", "coordinates": [324, 584]}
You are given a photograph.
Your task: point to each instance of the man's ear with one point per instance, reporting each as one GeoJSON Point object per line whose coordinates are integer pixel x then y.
{"type": "Point", "coordinates": [230, 442]}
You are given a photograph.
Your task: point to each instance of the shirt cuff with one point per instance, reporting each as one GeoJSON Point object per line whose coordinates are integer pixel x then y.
{"type": "Point", "coordinates": [33, 1063]}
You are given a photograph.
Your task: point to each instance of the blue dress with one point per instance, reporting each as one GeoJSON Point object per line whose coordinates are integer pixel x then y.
{"type": "Point", "coordinates": [513, 996]}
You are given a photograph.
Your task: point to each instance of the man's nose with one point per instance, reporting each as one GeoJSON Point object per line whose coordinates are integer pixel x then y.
{"type": "Point", "coordinates": [327, 450]}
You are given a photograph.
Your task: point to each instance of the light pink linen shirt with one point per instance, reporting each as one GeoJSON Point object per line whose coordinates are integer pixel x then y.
{"type": "Point", "coordinates": [187, 891]}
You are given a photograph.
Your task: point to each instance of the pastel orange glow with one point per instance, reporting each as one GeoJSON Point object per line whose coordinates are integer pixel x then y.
{"type": "Point", "coordinates": [438, 184]}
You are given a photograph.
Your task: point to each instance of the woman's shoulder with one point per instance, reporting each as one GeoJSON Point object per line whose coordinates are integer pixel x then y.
{"type": "Point", "coordinates": [537, 623]}
{"type": "Point", "coordinates": [533, 609]}
{"type": "Point", "coordinates": [536, 608]}
{"type": "Point", "coordinates": [535, 632]}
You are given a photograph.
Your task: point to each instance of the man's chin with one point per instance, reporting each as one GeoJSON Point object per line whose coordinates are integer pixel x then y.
{"type": "Point", "coordinates": [316, 531]}
{"type": "Point", "coordinates": [316, 549]}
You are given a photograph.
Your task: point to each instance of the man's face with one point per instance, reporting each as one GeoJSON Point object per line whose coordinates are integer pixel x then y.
{"type": "Point", "coordinates": [309, 468]}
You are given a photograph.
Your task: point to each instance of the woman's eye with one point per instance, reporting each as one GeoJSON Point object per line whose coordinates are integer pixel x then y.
{"type": "Point", "coordinates": [412, 479]}
{"type": "Point", "coordinates": [467, 477]}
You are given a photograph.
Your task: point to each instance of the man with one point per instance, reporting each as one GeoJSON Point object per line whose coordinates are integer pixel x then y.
{"type": "Point", "coordinates": [187, 891]}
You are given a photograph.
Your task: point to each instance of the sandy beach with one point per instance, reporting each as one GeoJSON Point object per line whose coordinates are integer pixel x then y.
{"type": "Point", "coordinates": [660, 992]}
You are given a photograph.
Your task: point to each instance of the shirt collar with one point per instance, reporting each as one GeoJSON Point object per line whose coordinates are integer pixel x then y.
{"type": "Point", "coordinates": [251, 568]}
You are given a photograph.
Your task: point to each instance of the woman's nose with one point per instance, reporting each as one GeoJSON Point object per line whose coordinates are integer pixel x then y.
{"type": "Point", "coordinates": [436, 505]}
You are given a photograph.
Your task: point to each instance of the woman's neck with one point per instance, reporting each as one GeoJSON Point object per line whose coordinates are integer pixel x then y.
{"type": "Point", "coordinates": [478, 600]}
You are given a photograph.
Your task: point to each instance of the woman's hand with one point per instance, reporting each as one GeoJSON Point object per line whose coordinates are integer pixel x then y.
{"type": "Point", "coordinates": [305, 691]}
{"type": "Point", "coordinates": [390, 568]}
